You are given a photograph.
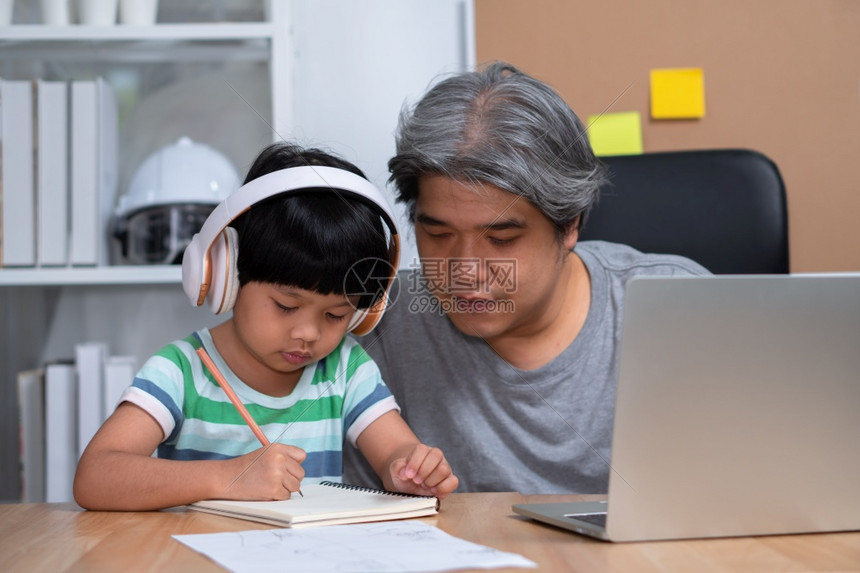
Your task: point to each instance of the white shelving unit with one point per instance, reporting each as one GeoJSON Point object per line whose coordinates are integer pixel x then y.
{"type": "Point", "coordinates": [338, 73]}
{"type": "Point", "coordinates": [34, 34]}
{"type": "Point", "coordinates": [45, 311]}
{"type": "Point", "coordinates": [107, 275]}
{"type": "Point", "coordinates": [121, 45]}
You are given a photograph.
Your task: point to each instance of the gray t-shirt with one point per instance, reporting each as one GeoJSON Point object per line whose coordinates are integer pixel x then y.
{"type": "Point", "coordinates": [504, 429]}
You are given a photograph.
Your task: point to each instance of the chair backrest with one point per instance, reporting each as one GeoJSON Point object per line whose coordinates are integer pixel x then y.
{"type": "Point", "coordinates": [723, 208]}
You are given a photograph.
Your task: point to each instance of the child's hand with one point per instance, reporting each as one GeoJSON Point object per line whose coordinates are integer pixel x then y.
{"type": "Point", "coordinates": [424, 471]}
{"type": "Point", "coordinates": [270, 473]}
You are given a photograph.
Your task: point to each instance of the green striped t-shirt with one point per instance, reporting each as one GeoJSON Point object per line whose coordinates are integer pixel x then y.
{"type": "Point", "coordinates": [335, 399]}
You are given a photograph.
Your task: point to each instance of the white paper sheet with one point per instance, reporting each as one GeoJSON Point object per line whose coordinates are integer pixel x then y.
{"type": "Point", "coordinates": [401, 546]}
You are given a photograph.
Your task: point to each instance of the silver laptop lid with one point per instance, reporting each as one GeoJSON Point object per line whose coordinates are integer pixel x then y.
{"type": "Point", "coordinates": [738, 407]}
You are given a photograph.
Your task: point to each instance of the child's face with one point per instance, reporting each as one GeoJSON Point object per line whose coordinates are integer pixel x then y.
{"type": "Point", "coordinates": [286, 328]}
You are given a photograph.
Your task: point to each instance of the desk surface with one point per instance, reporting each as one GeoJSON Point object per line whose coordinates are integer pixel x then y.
{"type": "Point", "coordinates": [62, 537]}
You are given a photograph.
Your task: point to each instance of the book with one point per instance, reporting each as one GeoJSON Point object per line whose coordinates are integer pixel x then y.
{"type": "Point", "coordinates": [31, 431]}
{"type": "Point", "coordinates": [108, 157]}
{"type": "Point", "coordinates": [326, 503]}
{"type": "Point", "coordinates": [94, 170]}
{"type": "Point", "coordinates": [18, 191]}
{"type": "Point", "coordinates": [52, 172]}
{"type": "Point", "coordinates": [119, 375]}
{"type": "Point", "coordinates": [61, 430]}
{"type": "Point", "coordinates": [90, 369]}
{"type": "Point", "coordinates": [84, 173]}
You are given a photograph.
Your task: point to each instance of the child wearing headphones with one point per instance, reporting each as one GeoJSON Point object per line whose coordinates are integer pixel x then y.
{"type": "Point", "coordinates": [300, 263]}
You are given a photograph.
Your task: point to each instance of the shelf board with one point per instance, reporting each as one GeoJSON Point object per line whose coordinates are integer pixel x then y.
{"type": "Point", "coordinates": [142, 51]}
{"type": "Point", "coordinates": [179, 32]}
{"type": "Point", "coordinates": [109, 275]}
{"type": "Point", "coordinates": [176, 42]}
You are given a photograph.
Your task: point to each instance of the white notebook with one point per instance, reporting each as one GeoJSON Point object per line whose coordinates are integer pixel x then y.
{"type": "Point", "coordinates": [327, 503]}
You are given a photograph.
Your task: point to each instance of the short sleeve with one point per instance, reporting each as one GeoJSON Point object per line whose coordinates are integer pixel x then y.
{"type": "Point", "coordinates": [366, 397]}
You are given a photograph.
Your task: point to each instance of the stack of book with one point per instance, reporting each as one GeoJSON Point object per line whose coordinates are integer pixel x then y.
{"type": "Point", "coordinates": [61, 406]}
{"type": "Point", "coordinates": [59, 172]}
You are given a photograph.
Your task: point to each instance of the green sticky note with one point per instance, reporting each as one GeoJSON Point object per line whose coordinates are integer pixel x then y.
{"type": "Point", "coordinates": [615, 133]}
{"type": "Point", "coordinates": [677, 93]}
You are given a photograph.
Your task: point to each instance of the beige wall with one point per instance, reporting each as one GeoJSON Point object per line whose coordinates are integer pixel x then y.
{"type": "Point", "coordinates": [781, 77]}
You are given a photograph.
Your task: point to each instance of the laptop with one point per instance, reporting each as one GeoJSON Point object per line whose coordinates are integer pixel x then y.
{"type": "Point", "coordinates": [737, 411]}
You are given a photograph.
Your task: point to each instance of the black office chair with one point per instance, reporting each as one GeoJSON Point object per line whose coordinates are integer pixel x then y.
{"type": "Point", "coordinates": [723, 208]}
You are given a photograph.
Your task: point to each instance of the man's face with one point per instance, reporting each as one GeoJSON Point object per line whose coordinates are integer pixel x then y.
{"type": "Point", "coordinates": [491, 258]}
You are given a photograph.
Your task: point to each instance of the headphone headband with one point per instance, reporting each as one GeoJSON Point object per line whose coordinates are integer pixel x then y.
{"type": "Point", "coordinates": [198, 267]}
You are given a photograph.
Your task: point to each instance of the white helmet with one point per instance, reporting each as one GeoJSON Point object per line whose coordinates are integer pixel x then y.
{"type": "Point", "coordinates": [170, 196]}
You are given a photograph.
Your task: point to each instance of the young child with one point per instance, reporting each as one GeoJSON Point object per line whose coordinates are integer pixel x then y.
{"type": "Point", "coordinates": [285, 352]}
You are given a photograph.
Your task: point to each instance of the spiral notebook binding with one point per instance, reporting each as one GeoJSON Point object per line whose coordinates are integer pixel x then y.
{"type": "Point", "coordinates": [370, 489]}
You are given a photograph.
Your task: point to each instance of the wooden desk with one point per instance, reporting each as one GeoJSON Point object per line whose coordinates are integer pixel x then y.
{"type": "Point", "coordinates": [62, 537]}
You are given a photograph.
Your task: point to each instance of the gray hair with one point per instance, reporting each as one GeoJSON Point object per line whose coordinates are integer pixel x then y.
{"type": "Point", "coordinates": [504, 128]}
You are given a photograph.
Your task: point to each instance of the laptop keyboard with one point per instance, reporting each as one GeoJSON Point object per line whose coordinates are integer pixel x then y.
{"type": "Point", "coordinates": [598, 519]}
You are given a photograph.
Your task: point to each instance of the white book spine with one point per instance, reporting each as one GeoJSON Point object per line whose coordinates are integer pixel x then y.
{"type": "Point", "coordinates": [90, 363]}
{"type": "Point", "coordinates": [18, 202]}
{"type": "Point", "coordinates": [85, 174]}
{"type": "Point", "coordinates": [31, 408]}
{"type": "Point", "coordinates": [119, 374]}
{"type": "Point", "coordinates": [61, 444]}
{"type": "Point", "coordinates": [108, 165]}
{"type": "Point", "coordinates": [52, 172]}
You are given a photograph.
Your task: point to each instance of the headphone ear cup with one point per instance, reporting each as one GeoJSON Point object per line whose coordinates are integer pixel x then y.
{"type": "Point", "coordinates": [366, 319]}
{"type": "Point", "coordinates": [232, 289]}
{"type": "Point", "coordinates": [356, 323]}
{"type": "Point", "coordinates": [225, 275]}
{"type": "Point", "coordinates": [192, 262]}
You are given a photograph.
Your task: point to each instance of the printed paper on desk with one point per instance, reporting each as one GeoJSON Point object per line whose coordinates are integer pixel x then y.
{"type": "Point", "coordinates": [401, 546]}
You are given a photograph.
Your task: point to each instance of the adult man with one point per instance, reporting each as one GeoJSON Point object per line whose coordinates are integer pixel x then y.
{"type": "Point", "coordinates": [503, 351]}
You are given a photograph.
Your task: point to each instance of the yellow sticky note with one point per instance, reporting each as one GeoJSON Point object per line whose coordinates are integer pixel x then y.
{"type": "Point", "coordinates": [677, 93]}
{"type": "Point", "coordinates": [615, 133]}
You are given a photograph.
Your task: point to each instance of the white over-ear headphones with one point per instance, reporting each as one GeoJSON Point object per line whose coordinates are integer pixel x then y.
{"type": "Point", "coordinates": [209, 264]}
